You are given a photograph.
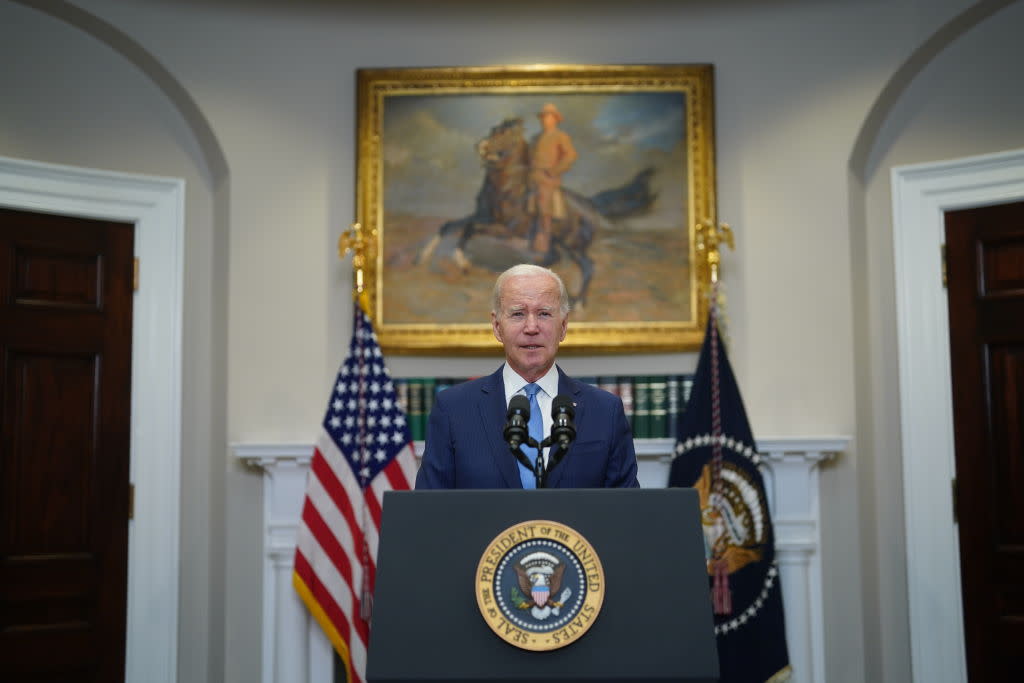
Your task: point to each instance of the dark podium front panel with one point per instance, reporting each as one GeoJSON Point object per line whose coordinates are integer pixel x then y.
{"type": "Point", "coordinates": [655, 623]}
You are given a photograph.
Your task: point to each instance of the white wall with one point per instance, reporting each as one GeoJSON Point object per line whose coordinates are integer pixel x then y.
{"type": "Point", "coordinates": [968, 100]}
{"type": "Point", "coordinates": [271, 184]}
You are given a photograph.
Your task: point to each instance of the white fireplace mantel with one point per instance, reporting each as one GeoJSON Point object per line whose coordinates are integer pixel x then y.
{"type": "Point", "coordinates": [295, 649]}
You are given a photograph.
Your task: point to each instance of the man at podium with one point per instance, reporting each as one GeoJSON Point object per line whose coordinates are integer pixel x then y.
{"type": "Point", "coordinates": [465, 444]}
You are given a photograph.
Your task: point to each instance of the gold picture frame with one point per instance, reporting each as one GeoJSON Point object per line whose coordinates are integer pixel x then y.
{"type": "Point", "coordinates": [445, 193]}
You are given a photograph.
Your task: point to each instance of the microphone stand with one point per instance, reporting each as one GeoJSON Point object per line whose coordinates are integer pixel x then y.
{"type": "Point", "coordinates": [563, 433]}
{"type": "Point", "coordinates": [539, 469]}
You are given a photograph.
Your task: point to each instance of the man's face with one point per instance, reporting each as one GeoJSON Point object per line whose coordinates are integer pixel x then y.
{"type": "Point", "coordinates": [548, 121]}
{"type": "Point", "coordinates": [530, 324]}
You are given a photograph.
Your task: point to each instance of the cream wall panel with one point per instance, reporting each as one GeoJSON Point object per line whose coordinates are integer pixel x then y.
{"type": "Point", "coordinates": [267, 305]}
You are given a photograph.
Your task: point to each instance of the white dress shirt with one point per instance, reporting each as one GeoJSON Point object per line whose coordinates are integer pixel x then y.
{"type": "Point", "coordinates": [548, 390]}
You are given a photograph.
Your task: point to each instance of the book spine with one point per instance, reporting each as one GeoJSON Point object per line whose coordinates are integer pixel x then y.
{"type": "Point", "coordinates": [642, 407]}
{"type": "Point", "coordinates": [687, 386]}
{"type": "Point", "coordinates": [674, 399]}
{"type": "Point", "coordinates": [625, 384]}
{"type": "Point", "coordinates": [429, 391]}
{"type": "Point", "coordinates": [402, 394]}
{"type": "Point", "coordinates": [658, 407]}
{"type": "Point", "coordinates": [415, 414]}
{"type": "Point", "coordinates": [609, 384]}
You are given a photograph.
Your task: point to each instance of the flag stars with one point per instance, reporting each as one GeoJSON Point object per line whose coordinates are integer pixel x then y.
{"type": "Point", "coordinates": [337, 405]}
{"type": "Point", "coordinates": [398, 437]}
{"type": "Point", "coordinates": [375, 387]}
{"type": "Point", "coordinates": [335, 422]}
{"type": "Point", "coordinates": [381, 455]}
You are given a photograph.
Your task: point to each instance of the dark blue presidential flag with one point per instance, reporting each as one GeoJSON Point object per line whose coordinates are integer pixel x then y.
{"type": "Point", "coordinates": [716, 455]}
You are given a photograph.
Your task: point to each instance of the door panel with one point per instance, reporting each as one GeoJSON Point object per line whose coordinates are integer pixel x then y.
{"type": "Point", "coordinates": [985, 266]}
{"type": "Point", "coordinates": [65, 382]}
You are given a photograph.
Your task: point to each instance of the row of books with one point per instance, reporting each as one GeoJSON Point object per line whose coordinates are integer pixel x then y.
{"type": "Point", "coordinates": [653, 403]}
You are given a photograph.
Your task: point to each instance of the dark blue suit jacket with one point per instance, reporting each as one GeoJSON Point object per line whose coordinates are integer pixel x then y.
{"type": "Point", "coordinates": [465, 448]}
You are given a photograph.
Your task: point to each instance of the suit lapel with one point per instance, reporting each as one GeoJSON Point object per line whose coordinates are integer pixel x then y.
{"type": "Point", "coordinates": [567, 386]}
{"type": "Point", "coordinates": [493, 408]}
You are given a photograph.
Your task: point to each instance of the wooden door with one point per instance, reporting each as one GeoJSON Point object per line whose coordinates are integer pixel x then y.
{"type": "Point", "coordinates": [985, 267]}
{"type": "Point", "coordinates": [65, 397]}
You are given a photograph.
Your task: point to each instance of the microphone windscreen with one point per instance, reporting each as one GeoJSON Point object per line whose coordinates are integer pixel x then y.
{"type": "Point", "coordinates": [519, 405]}
{"type": "Point", "coordinates": [562, 404]}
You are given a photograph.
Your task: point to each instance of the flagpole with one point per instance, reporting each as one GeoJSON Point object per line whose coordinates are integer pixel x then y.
{"type": "Point", "coordinates": [709, 236]}
{"type": "Point", "coordinates": [363, 245]}
{"type": "Point", "coordinates": [356, 240]}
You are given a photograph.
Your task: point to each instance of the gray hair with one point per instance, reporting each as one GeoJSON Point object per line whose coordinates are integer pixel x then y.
{"type": "Point", "coordinates": [528, 269]}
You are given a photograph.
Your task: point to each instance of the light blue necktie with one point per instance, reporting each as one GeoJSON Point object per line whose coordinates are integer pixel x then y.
{"type": "Point", "coordinates": [536, 426]}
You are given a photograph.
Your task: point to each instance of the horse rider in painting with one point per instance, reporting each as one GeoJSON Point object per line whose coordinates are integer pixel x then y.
{"type": "Point", "coordinates": [551, 155]}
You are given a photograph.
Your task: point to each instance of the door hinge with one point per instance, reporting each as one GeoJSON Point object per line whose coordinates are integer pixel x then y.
{"type": "Point", "coordinates": [945, 276]}
{"type": "Point", "coordinates": [131, 501]}
{"type": "Point", "coordinates": [956, 516]}
{"type": "Point", "coordinates": [135, 274]}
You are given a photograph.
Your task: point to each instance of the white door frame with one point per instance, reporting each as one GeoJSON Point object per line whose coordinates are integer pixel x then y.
{"type": "Point", "coordinates": [920, 195]}
{"type": "Point", "coordinates": [157, 208]}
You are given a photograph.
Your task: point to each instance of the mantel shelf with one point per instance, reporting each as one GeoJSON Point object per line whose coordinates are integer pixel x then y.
{"type": "Point", "coordinates": [813, 448]}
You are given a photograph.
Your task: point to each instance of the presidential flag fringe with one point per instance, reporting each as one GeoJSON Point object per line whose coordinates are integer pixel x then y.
{"type": "Point", "coordinates": [716, 454]}
{"type": "Point", "coordinates": [363, 449]}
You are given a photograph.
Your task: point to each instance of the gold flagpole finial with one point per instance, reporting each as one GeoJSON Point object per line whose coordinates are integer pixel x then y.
{"type": "Point", "coordinates": [709, 236]}
{"type": "Point", "coordinates": [362, 246]}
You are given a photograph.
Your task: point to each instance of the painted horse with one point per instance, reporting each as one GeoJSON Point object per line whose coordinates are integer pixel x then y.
{"type": "Point", "coordinates": [502, 209]}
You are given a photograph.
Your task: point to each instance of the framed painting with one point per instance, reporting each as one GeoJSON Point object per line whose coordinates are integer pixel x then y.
{"type": "Point", "coordinates": [601, 173]}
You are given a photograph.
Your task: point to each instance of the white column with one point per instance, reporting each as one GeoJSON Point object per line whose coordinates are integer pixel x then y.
{"type": "Point", "coordinates": [291, 641]}
{"type": "Point", "coordinates": [791, 483]}
{"type": "Point", "coordinates": [290, 652]}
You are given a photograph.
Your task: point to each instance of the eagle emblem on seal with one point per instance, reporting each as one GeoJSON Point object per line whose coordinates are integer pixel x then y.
{"type": "Point", "coordinates": [540, 580]}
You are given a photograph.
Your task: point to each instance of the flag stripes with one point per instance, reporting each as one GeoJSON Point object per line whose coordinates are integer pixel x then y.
{"type": "Point", "coordinates": [364, 450]}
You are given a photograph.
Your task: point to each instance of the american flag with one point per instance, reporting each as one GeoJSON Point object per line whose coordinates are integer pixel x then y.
{"type": "Point", "coordinates": [364, 448]}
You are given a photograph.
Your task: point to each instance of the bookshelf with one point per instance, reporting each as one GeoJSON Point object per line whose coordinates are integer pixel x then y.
{"type": "Point", "coordinates": [653, 403]}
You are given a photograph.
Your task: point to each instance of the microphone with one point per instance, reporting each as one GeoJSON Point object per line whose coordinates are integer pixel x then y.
{"type": "Point", "coordinates": [517, 422]}
{"type": "Point", "coordinates": [563, 431]}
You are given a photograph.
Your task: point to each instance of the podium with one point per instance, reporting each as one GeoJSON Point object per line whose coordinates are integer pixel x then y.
{"type": "Point", "coordinates": [654, 621]}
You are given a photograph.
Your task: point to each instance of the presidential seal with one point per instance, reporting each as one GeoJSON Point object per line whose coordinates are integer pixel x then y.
{"type": "Point", "coordinates": [539, 585]}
